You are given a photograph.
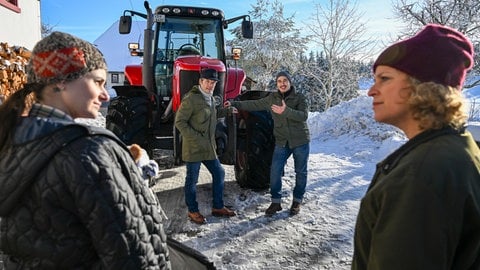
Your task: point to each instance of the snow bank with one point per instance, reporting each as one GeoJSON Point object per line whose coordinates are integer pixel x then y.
{"type": "Point", "coordinates": [351, 117]}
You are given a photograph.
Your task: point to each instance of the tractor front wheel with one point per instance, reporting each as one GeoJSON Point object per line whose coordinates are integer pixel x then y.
{"type": "Point", "coordinates": [128, 118]}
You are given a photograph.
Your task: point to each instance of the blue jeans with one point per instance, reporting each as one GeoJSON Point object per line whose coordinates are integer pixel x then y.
{"type": "Point", "coordinates": [279, 159]}
{"type": "Point", "coordinates": [191, 180]}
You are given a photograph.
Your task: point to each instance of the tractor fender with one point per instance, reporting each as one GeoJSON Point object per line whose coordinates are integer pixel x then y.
{"type": "Point", "coordinates": [235, 79]}
{"type": "Point", "coordinates": [133, 74]}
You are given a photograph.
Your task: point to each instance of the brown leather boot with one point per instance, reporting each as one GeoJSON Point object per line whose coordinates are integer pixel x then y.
{"type": "Point", "coordinates": [196, 217]}
{"type": "Point", "coordinates": [223, 212]}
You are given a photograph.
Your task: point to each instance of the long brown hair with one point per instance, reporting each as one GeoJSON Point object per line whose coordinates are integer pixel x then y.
{"type": "Point", "coordinates": [13, 108]}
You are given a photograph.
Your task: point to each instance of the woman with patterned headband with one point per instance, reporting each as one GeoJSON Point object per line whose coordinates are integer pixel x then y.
{"type": "Point", "coordinates": [71, 196]}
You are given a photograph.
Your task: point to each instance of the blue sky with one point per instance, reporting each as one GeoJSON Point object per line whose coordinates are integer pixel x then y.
{"type": "Point", "coordinates": [88, 19]}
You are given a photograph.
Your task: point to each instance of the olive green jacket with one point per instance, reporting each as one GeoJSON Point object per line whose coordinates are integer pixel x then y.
{"type": "Point", "coordinates": [196, 121]}
{"type": "Point", "coordinates": [422, 208]}
{"type": "Point", "coordinates": [290, 126]}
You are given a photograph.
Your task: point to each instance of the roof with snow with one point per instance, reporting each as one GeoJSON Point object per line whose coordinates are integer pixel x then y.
{"type": "Point", "coordinates": [114, 46]}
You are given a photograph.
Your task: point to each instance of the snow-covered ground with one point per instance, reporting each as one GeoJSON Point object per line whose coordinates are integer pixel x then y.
{"type": "Point", "coordinates": [346, 145]}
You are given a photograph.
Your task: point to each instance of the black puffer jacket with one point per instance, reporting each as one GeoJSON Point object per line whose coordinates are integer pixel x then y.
{"type": "Point", "coordinates": [84, 208]}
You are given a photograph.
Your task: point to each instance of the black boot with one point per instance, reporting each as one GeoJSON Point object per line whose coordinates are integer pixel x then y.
{"type": "Point", "coordinates": [295, 208]}
{"type": "Point", "coordinates": [273, 208]}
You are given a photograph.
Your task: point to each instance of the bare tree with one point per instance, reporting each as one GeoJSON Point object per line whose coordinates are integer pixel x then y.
{"type": "Point", "coordinates": [473, 109]}
{"type": "Point", "coordinates": [459, 14]}
{"type": "Point", "coordinates": [46, 29]}
{"type": "Point", "coordinates": [338, 31]}
{"type": "Point", "coordinates": [276, 44]}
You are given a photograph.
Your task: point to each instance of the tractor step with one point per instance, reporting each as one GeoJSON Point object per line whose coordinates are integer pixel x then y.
{"type": "Point", "coordinates": [162, 142]}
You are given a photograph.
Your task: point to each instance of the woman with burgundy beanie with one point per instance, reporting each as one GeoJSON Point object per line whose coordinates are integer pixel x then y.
{"type": "Point", "coordinates": [71, 196]}
{"type": "Point", "coordinates": [422, 208]}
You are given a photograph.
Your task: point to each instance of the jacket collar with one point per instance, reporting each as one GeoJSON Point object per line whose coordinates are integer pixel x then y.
{"type": "Point", "coordinates": [392, 160]}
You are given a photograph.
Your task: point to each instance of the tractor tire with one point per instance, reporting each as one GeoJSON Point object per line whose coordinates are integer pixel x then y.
{"type": "Point", "coordinates": [127, 117]}
{"type": "Point", "coordinates": [255, 144]}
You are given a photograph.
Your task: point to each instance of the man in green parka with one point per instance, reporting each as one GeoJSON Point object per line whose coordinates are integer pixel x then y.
{"type": "Point", "coordinates": [196, 119]}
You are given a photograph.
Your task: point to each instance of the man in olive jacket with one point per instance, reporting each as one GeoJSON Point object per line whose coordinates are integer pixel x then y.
{"type": "Point", "coordinates": [196, 119]}
{"type": "Point", "coordinates": [292, 136]}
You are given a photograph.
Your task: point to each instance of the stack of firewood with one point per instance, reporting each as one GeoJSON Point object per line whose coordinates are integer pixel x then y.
{"type": "Point", "coordinates": [13, 61]}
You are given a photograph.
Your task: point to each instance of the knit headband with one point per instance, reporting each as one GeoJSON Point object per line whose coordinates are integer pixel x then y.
{"type": "Point", "coordinates": [58, 63]}
{"type": "Point", "coordinates": [63, 57]}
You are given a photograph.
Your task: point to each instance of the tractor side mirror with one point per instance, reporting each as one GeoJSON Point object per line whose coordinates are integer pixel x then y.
{"type": "Point", "coordinates": [247, 29]}
{"type": "Point", "coordinates": [125, 24]}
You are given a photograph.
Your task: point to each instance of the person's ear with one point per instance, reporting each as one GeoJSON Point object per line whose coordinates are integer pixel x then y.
{"type": "Point", "coordinates": [60, 86]}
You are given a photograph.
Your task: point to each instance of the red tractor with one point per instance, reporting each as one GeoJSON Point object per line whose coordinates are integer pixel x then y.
{"type": "Point", "coordinates": [178, 42]}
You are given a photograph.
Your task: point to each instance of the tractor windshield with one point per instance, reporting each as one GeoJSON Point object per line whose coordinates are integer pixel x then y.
{"type": "Point", "coordinates": [184, 35]}
{"type": "Point", "coordinates": [179, 36]}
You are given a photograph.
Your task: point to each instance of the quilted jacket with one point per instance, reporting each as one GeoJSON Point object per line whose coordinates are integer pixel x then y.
{"type": "Point", "coordinates": [83, 207]}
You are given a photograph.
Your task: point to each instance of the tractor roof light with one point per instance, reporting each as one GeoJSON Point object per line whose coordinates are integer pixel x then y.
{"type": "Point", "coordinates": [236, 53]}
{"type": "Point", "coordinates": [133, 46]}
{"type": "Point", "coordinates": [134, 49]}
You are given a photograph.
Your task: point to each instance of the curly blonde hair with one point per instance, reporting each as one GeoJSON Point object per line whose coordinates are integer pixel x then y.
{"type": "Point", "coordinates": [436, 106]}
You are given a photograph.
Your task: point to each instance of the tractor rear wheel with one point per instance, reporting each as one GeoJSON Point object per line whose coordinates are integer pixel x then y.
{"type": "Point", "coordinates": [255, 144]}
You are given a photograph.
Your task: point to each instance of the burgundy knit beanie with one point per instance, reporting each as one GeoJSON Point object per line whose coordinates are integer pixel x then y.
{"type": "Point", "coordinates": [437, 53]}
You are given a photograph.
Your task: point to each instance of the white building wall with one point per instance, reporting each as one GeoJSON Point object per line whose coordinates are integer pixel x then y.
{"type": "Point", "coordinates": [21, 29]}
